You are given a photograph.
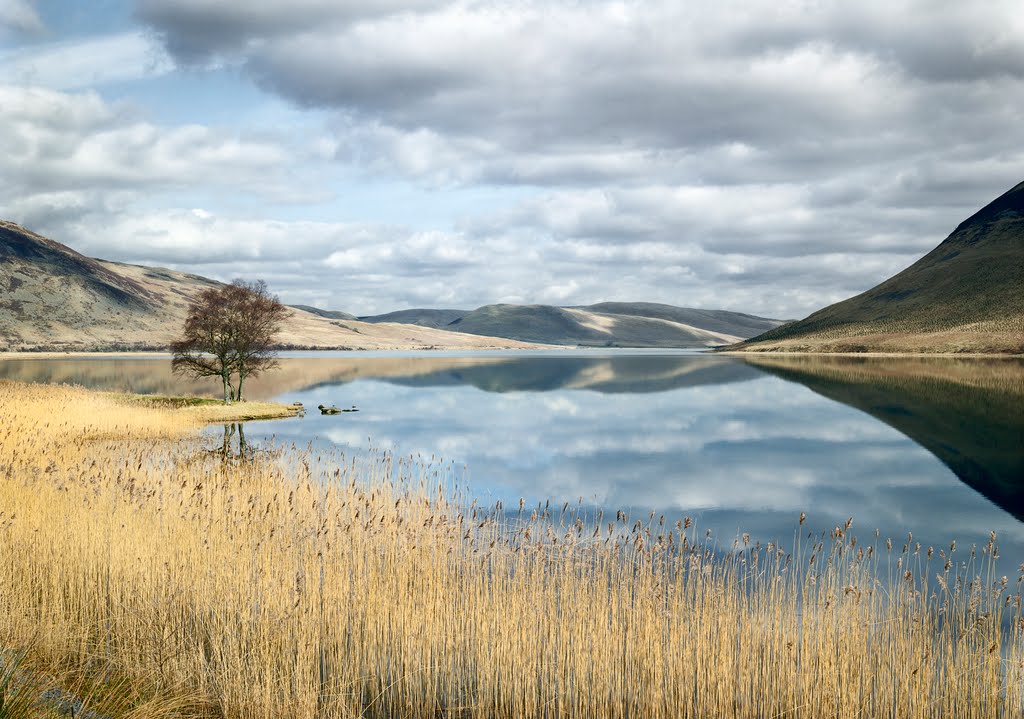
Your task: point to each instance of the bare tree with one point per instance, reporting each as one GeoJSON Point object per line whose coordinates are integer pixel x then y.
{"type": "Point", "coordinates": [260, 318]}
{"type": "Point", "coordinates": [230, 331]}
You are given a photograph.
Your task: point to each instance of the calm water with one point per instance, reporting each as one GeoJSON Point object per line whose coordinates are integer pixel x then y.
{"type": "Point", "coordinates": [928, 446]}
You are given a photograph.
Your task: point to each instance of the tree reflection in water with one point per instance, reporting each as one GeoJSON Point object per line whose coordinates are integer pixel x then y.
{"type": "Point", "coordinates": [234, 446]}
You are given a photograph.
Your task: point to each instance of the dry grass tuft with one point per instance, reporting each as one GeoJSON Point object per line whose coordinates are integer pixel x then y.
{"type": "Point", "coordinates": [295, 584]}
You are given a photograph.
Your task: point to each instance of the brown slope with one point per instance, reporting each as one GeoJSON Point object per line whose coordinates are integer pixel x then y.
{"type": "Point", "coordinates": [966, 295]}
{"type": "Point", "coordinates": [52, 297]}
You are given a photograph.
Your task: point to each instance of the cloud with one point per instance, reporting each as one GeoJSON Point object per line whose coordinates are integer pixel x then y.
{"type": "Point", "coordinates": [765, 157]}
{"type": "Point", "coordinates": [18, 16]}
{"type": "Point", "coordinates": [60, 149]}
{"type": "Point", "coordinates": [86, 63]}
{"type": "Point", "coordinates": [198, 30]}
{"type": "Point", "coordinates": [761, 130]}
{"type": "Point", "coordinates": [570, 77]}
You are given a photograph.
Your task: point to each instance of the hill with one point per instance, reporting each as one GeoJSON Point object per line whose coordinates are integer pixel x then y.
{"type": "Point", "coordinates": [723, 321]}
{"type": "Point", "coordinates": [966, 295]}
{"type": "Point", "coordinates": [422, 317]}
{"type": "Point", "coordinates": [52, 297]}
{"type": "Point", "coordinates": [329, 314]}
{"type": "Point", "coordinates": [611, 325]}
{"type": "Point", "coordinates": [608, 324]}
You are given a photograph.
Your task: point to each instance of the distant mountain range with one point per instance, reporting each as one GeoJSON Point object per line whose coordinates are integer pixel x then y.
{"type": "Point", "coordinates": [608, 324]}
{"type": "Point", "coordinates": [966, 295]}
{"type": "Point", "coordinates": [52, 297]}
{"type": "Point", "coordinates": [421, 317]}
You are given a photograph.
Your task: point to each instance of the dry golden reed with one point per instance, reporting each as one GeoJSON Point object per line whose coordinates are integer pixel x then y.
{"type": "Point", "coordinates": [296, 583]}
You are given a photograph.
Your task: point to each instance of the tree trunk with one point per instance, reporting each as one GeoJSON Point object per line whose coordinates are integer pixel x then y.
{"type": "Point", "coordinates": [241, 378]}
{"type": "Point", "coordinates": [227, 388]}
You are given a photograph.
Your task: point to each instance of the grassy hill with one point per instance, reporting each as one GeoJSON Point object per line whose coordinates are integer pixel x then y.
{"type": "Point", "coordinates": [966, 295]}
{"type": "Point", "coordinates": [54, 298]}
{"type": "Point", "coordinates": [611, 324]}
{"type": "Point", "coordinates": [723, 321]}
{"type": "Point", "coordinates": [607, 324]}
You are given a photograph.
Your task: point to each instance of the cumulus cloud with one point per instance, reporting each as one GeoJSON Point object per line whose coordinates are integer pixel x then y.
{"type": "Point", "coordinates": [606, 88]}
{"type": "Point", "coordinates": [63, 154]}
{"type": "Point", "coordinates": [765, 157]}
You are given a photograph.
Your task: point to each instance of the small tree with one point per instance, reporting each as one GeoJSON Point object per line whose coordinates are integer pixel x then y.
{"type": "Point", "coordinates": [229, 331]}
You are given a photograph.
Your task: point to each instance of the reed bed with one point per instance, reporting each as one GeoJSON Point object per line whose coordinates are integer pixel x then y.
{"type": "Point", "coordinates": [299, 583]}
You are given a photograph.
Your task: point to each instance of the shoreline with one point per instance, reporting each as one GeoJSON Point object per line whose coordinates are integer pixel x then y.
{"type": "Point", "coordinates": [72, 354]}
{"type": "Point", "coordinates": [139, 354]}
{"type": "Point", "coordinates": [211, 410]}
{"type": "Point", "coordinates": [794, 353]}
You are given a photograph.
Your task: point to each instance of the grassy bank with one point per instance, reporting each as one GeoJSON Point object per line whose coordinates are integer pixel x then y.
{"type": "Point", "coordinates": [980, 339]}
{"type": "Point", "coordinates": [204, 410]}
{"type": "Point", "coordinates": [294, 584]}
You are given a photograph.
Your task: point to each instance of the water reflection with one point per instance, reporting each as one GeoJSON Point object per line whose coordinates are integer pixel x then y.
{"type": "Point", "coordinates": [968, 413]}
{"type": "Point", "coordinates": [739, 445]}
{"type": "Point", "coordinates": [495, 372]}
{"type": "Point", "coordinates": [714, 437]}
{"type": "Point", "coordinates": [615, 374]}
{"type": "Point", "coordinates": [234, 446]}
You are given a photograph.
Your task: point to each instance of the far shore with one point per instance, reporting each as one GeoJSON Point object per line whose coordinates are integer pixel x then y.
{"type": "Point", "coordinates": [50, 354]}
{"type": "Point", "coordinates": [59, 355]}
{"type": "Point", "coordinates": [772, 353]}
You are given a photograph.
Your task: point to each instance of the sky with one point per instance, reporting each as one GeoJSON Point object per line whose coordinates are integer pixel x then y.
{"type": "Point", "coordinates": [763, 156]}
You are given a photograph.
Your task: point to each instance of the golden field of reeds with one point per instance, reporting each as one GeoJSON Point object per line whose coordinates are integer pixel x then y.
{"type": "Point", "coordinates": [295, 583]}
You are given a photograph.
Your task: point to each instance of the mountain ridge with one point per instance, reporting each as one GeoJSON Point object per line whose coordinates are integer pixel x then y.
{"type": "Point", "coordinates": [605, 324]}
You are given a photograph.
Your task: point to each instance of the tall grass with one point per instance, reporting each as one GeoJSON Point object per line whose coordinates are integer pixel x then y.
{"type": "Point", "coordinates": [302, 584]}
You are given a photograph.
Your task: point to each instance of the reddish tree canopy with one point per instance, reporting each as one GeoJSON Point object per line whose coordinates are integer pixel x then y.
{"type": "Point", "coordinates": [229, 332]}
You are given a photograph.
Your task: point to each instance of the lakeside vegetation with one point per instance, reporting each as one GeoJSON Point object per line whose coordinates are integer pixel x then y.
{"type": "Point", "coordinates": [292, 583]}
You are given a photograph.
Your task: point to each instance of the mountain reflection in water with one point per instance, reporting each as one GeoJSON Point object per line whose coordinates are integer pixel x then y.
{"type": "Point", "coordinates": [742, 444]}
{"type": "Point", "coordinates": [967, 412]}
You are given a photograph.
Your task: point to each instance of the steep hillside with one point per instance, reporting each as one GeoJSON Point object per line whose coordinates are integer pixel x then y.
{"type": "Point", "coordinates": [966, 295]}
{"type": "Point", "coordinates": [52, 297]}
{"type": "Point", "coordinates": [588, 328]}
